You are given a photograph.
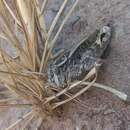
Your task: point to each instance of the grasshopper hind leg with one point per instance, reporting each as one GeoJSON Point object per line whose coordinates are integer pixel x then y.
{"type": "Point", "coordinates": [106, 52]}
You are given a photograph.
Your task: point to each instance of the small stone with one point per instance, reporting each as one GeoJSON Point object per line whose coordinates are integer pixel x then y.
{"type": "Point", "coordinates": [109, 111]}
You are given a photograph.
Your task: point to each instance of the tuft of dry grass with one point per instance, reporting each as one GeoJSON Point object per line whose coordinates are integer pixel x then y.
{"type": "Point", "coordinates": [25, 75]}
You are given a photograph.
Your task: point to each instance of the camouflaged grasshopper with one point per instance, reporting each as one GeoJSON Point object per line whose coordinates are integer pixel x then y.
{"type": "Point", "coordinates": [75, 64]}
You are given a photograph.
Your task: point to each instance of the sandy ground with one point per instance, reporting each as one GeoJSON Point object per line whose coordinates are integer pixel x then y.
{"type": "Point", "coordinates": [105, 111]}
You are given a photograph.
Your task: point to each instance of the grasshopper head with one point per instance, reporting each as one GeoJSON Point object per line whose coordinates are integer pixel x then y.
{"type": "Point", "coordinates": [104, 36]}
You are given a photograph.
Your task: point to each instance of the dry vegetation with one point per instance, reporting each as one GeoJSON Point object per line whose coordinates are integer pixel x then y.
{"type": "Point", "coordinates": [24, 75]}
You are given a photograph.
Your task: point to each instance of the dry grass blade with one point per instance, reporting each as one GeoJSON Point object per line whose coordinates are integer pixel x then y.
{"type": "Point", "coordinates": [56, 18]}
{"type": "Point", "coordinates": [63, 23]}
{"type": "Point", "coordinates": [121, 95]}
{"type": "Point", "coordinates": [15, 66]}
{"type": "Point", "coordinates": [41, 20]}
{"type": "Point", "coordinates": [39, 123]}
{"type": "Point", "coordinates": [43, 5]}
{"type": "Point", "coordinates": [9, 34]}
{"type": "Point", "coordinates": [69, 95]}
{"type": "Point", "coordinates": [27, 122]}
{"type": "Point", "coordinates": [8, 69]}
{"type": "Point", "coordinates": [25, 117]}
{"type": "Point", "coordinates": [4, 101]}
{"type": "Point", "coordinates": [59, 53]}
{"type": "Point", "coordinates": [11, 12]}
{"type": "Point", "coordinates": [15, 105]}
{"type": "Point", "coordinates": [4, 37]}
{"type": "Point", "coordinates": [26, 11]}
{"type": "Point", "coordinates": [17, 74]}
{"type": "Point", "coordinates": [26, 16]}
{"type": "Point", "coordinates": [6, 93]}
{"type": "Point", "coordinates": [7, 27]}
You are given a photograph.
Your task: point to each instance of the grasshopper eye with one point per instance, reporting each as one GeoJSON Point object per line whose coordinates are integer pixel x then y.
{"type": "Point", "coordinates": [102, 36]}
{"type": "Point", "coordinates": [105, 34]}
